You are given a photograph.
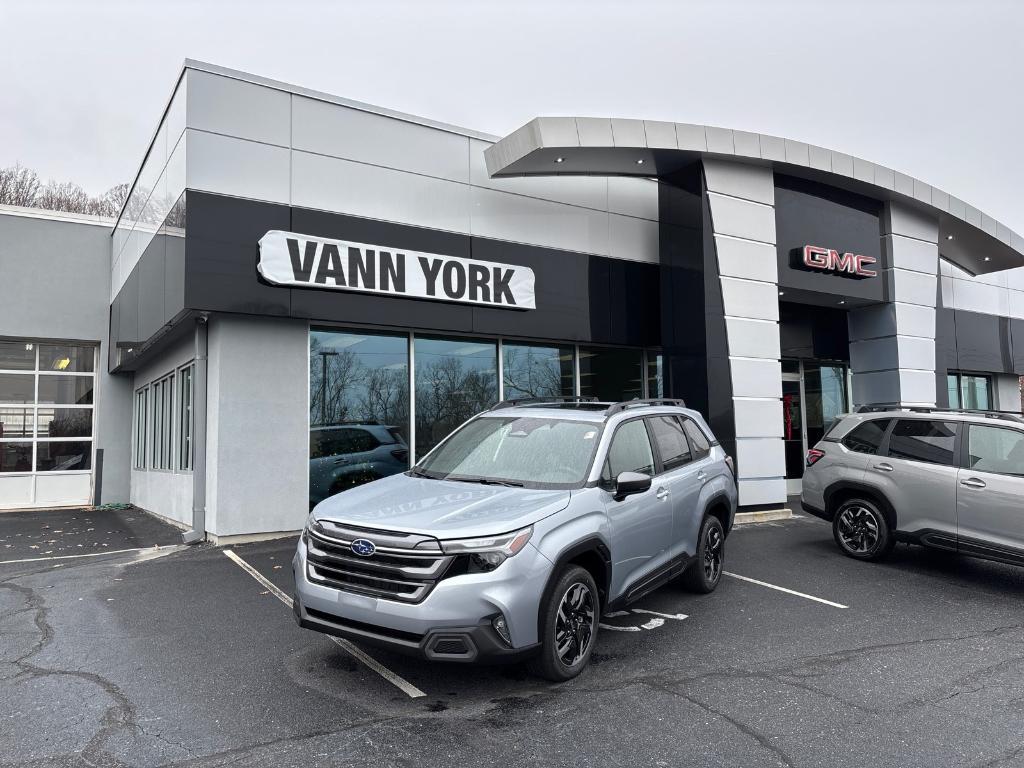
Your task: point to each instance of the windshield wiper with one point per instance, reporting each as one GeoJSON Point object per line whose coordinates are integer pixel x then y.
{"type": "Point", "coordinates": [420, 473]}
{"type": "Point", "coordinates": [487, 481]}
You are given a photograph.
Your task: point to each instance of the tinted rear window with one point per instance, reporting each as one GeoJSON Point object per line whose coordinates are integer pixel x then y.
{"type": "Point", "coordinates": [867, 437]}
{"type": "Point", "coordinates": [923, 440]}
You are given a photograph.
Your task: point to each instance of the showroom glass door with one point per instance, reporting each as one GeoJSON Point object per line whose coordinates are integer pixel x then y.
{"type": "Point", "coordinates": [814, 393]}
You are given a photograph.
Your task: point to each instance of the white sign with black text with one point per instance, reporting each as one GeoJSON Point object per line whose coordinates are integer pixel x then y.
{"type": "Point", "coordinates": [303, 261]}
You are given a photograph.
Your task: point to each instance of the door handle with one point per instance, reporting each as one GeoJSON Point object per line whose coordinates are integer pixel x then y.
{"type": "Point", "coordinates": [973, 482]}
{"type": "Point", "coordinates": [662, 493]}
{"type": "Point", "coordinates": [884, 466]}
{"type": "Point", "coordinates": [701, 475]}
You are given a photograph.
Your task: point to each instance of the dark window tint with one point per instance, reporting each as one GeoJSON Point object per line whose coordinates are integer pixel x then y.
{"type": "Point", "coordinates": [363, 440]}
{"type": "Point", "coordinates": [923, 440]}
{"type": "Point", "coordinates": [63, 456]}
{"type": "Point", "coordinates": [995, 449]}
{"type": "Point", "coordinates": [867, 438]}
{"type": "Point", "coordinates": [71, 390]}
{"type": "Point", "coordinates": [15, 457]}
{"type": "Point", "coordinates": [630, 451]}
{"type": "Point", "coordinates": [671, 442]}
{"type": "Point", "coordinates": [701, 444]}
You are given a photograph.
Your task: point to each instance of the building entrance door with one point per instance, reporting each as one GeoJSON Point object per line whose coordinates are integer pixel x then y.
{"type": "Point", "coordinates": [814, 393]}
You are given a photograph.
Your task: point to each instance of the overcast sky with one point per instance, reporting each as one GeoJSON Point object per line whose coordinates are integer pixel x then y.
{"type": "Point", "coordinates": [934, 89]}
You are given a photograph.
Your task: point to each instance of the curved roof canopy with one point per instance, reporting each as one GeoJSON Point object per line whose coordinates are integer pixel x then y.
{"type": "Point", "coordinates": [591, 146]}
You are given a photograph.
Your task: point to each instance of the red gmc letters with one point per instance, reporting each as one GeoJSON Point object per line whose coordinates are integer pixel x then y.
{"type": "Point", "coordinates": [828, 260]}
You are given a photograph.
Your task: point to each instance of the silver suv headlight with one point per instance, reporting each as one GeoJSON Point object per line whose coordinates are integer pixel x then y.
{"type": "Point", "coordinates": [488, 552]}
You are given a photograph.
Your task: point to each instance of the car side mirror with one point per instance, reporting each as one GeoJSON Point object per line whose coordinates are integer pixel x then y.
{"type": "Point", "coordinates": [628, 483]}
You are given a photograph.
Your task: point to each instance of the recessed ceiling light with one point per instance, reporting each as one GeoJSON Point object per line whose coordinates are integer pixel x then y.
{"type": "Point", "coordinates": [949, 237]}
{"type": "Point", "coordinates": [782, 293]}
{"type": "Point", "coordinates": [559, 159]}
{"type": "Point", "coordinates": [988, 258]}
{"type": "Point", "coordinates": [640, 161]}
{"type": "Point", "coordinates": [842, 301]}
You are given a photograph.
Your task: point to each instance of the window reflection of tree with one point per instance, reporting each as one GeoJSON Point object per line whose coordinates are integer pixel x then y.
{"type": "Point", "coordinates": [354, 392]}
{"type": "Point", "coordinates": [530, 372]}
{"type": "Point", "coordinates": [447, 393]}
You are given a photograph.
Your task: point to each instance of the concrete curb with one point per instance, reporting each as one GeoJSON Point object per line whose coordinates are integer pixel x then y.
{"type": "Point", "coordinates": [763, 516]}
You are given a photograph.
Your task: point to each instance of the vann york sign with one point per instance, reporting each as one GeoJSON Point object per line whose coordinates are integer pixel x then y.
{"type": "Point", "coordinates": [302, 261]}
{"type": "Point", "coordinates": [817, 259]}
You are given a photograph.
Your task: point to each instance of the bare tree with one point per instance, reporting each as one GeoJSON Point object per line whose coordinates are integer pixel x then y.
{"type": "Point", "coordinates": [18, 186]}
{"type": "Point", "coordinates": [63, 196]}
{"type": "Point", "coordinates": [112, 201]}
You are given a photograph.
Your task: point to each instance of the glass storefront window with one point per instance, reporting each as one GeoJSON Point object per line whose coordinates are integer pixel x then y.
{"type": "Point", "coordinates": [63, 456]}
{"type": "Point", "coordinates": [16, 422]}
{"type": "Point", "coordinates": [67, 358]}
{"type": "Point", "coordinates": [17, 356]}
{"type": "Point", "coordinates": [534, 371]}
{"type": "Point", "coordinates": [65, 422]}
{"type": "Point", "coordinates": [15, 457]}
{"type": "Point", "coordinates": [455, 379]}
{"type": "Point", "coordinates": [825, 396]}
{"type": "Point", "coordinates": [970, 391]}
{"type": "Point", "coordinates": [358, 409]}
{"type": "Point", "coordinates": [65, 390]}
{"type": "Point", "coordinates": [655, 375]}
{"type": "Point", "coordinates": [17, 387]}
{"type": "Point", "coordinates": [611, 374]}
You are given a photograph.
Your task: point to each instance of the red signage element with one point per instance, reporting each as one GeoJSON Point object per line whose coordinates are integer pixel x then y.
{"type": "Point", "coordinates": [845, 264]}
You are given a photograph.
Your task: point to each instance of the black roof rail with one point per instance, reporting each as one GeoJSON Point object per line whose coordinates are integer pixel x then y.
{"type": "Point", "coordinates": [522, 401]}
{"type": "Point", "coordinates": [990, 414]}
{"type": "Point", "coordinates": [650, 401]}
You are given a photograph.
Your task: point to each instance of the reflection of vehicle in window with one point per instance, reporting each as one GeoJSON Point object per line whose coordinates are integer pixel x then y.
{"type": "Point", "coordinates": [511, 537]}
{"type": "Point", "coordinates": [344, 456]}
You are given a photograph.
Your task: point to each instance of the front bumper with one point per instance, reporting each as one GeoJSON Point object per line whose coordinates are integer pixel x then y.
{"type": "Point", "coordinates": [453, 622]}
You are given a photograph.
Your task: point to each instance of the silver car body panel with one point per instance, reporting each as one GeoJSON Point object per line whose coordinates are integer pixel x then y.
{"type": "Point", "coordinates": [640, 534]}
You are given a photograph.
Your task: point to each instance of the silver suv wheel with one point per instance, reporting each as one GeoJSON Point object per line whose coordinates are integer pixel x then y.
{"type": "Point", "coordinates": [574, 624]}
{"type": "Point", "coordinates": [861, 530]}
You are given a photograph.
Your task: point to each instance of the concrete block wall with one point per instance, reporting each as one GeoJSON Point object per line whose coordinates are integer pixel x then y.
{"type": "Point", "coordinates": [741, 198]}
{"type": "Point", "coordinates": [892, 345]}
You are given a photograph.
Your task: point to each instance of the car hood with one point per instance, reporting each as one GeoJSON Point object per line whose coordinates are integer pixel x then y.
{"type": "Point", "coordinates": [446, 509]}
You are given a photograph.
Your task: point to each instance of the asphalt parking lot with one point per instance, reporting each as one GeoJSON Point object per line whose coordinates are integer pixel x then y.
{"type": "Point", "coordinates": [181, 656]}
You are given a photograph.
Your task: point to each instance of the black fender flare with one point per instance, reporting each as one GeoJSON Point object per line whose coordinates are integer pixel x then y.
{"type": "Point", "coordinates": [716, 497]}
{"type": "Point", "coordinates": [591, 544]}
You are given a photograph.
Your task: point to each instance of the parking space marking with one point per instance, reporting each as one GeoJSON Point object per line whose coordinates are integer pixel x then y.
{"type": "Point", "coordinates": [402, 684]}
{"type": "Point", "coordinates": [784, 589]}
{"type": "Point", "coordinates": [658, 620]}
{"type": "Point", "coordinates": [85, 554]}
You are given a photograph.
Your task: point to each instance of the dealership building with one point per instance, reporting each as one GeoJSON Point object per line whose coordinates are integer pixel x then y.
{"type": "Point", "coordinates": [304, 293]}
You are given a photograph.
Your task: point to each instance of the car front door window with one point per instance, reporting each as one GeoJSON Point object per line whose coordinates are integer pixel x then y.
{"type": "Point", "coordinates": [630, 451]}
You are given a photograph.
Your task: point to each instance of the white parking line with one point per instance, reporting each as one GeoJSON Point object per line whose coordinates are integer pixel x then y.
{"type": "Point", "coordinates": [402, 684]}
{"type": "Point", "coordinates": [787, 591]}
{"type": "Point", "coordinates": [75, 557]}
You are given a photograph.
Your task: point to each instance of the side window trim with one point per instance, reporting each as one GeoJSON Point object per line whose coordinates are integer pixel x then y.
{"type": "Point", "coordinates": [964, 447]}
{"type": "Point", "coordinates": [606, 463]}
{"type": "Point", "coordinates": [958, 440]}
{"type": "Point", "coordinates": [696, 455]}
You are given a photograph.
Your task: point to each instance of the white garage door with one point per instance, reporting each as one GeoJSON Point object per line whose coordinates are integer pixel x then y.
{"type": "Point", "coordinates": [47, 392]}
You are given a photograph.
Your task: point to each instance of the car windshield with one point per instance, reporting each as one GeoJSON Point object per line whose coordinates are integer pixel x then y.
{"type": "Point", "coordinates": [528, 452]}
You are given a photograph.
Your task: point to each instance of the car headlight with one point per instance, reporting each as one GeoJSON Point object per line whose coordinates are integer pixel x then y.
{"type": "Point", "coordinates": [488, 552]}
{"type": "Point", "coordinates": [309, 524]}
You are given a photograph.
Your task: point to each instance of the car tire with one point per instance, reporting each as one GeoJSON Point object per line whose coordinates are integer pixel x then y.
{"type": "Point", "coordinates": [704, 573]}
{"type": "Point", "coordinates": [861, 530]}
{"type": "Point", "coordinates": [569, 619]}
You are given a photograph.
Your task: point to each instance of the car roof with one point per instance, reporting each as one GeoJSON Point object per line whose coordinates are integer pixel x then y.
{"type": "Point", "coordinates": [846, 422]}
{"type": "Point", "coordinates": [592, 412]}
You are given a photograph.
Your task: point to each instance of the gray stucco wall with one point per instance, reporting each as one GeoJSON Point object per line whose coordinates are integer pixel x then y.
{"type": "Point", "coordinates": [257, 425]}
{"type": "Point", "coordinates": [55, 284]}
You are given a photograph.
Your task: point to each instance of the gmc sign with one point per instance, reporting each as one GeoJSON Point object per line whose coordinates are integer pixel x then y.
{"type": "Point", "coordinates": [818, 259]}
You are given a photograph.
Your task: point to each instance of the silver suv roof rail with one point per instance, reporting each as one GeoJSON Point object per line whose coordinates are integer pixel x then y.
{"type": "Point", "coordinates": [651, 401]}
{"type": "Point", "coordinates": [883, 407]}
{"type": "Point", "coordinates": [524, 401]}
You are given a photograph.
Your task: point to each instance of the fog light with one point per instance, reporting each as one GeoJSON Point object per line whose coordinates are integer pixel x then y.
{"type": "Point", "coordinates": [502, 628]}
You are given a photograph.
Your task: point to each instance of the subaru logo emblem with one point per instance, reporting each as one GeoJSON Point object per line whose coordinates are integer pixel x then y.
{"type": "Point", "coordinates": [363, 548]}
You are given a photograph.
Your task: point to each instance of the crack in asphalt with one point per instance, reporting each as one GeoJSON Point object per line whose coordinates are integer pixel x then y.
{"type": "Point", "coordinates": [118, 716]}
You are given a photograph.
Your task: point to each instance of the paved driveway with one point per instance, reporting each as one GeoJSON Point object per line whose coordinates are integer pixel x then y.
{"type": "Point", "coordinates": [184, 657]}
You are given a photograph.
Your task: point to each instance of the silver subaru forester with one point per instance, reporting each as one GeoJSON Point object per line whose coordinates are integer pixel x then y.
{"type": "Point", "coordinates": [942, 478]}
{"type": "Point", "coordinates": [510, 538]}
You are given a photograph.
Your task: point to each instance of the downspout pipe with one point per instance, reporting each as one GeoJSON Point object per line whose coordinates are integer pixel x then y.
{"type": "Point", "coordinates": [199, 384]}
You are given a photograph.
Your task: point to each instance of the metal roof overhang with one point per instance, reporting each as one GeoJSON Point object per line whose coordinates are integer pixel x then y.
{"type": "Point", "coordinates": [587, 146]}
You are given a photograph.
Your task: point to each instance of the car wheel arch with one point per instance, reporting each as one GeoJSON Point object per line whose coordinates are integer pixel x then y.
{"type": "Point", "coordinates": [592, 554]}
{"type": "Point", "coordinates": [837, 493]}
